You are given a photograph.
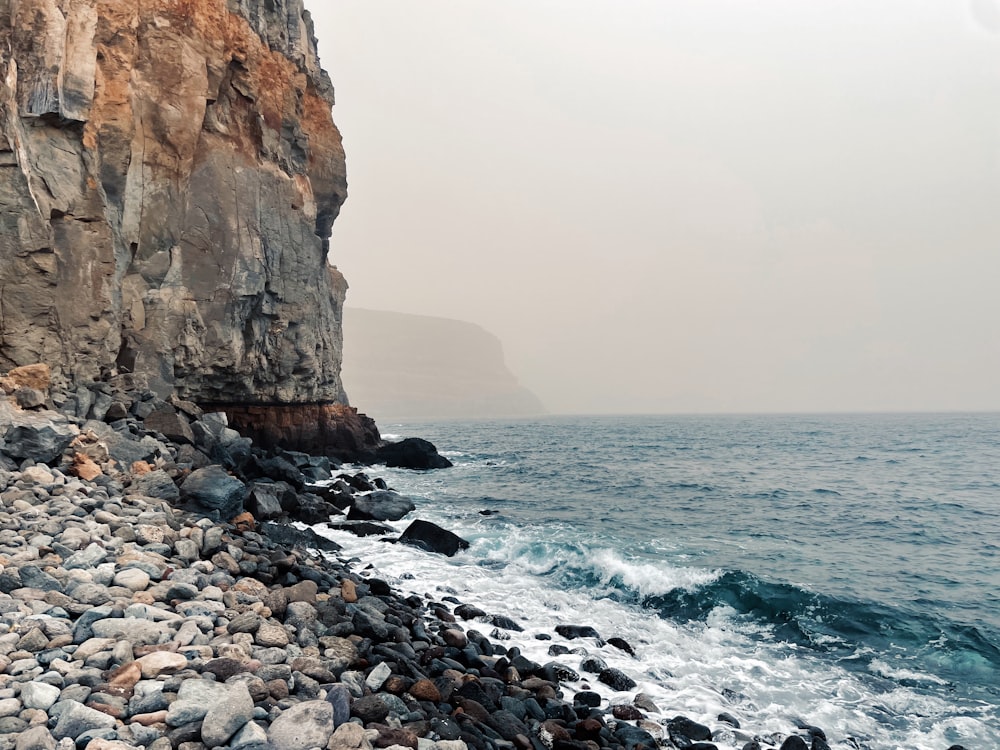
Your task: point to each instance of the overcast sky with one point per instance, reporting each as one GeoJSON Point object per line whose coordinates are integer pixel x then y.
{"type": "Point", "coordinates": [684, 205]}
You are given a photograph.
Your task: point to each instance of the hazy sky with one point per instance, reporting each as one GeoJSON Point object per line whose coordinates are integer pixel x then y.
{"type": "Point", "coordinates": [684, 205]}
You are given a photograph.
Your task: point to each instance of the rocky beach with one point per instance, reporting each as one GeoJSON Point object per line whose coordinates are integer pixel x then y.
{"type": "Point", "coordinates": [156, 592]}
{"type": "Point", "coordinates": [173, 425]}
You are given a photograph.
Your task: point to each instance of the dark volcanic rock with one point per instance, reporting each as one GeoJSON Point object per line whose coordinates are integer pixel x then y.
{"type": "Point", "coordinates": [616, 679]}
{"type": "Point", "coordinates": [290, 537]}
{"type": "Point", "coordinates": [692, 731]}
{"type": "Point", "coordinates": [570, 632]}
{"type": "Point", "coordinates": [41, 440]}
{"type": "Point", "coordinates": [381, 505]}
{"type": "Point", "coordinates": [363, 528]}
{"type": "Point", "coordinates": [433, 538]}
{"type": "Point", "coordinates": [213, 491]}
{"type": "Point", "coordinates": [412, 453]}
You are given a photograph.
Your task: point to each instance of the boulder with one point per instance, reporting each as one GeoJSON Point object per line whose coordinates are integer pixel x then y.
{"type": "Point", "coordinates": [381, 505]}
{"type": "Point", "coordinates": [432, 538]}
{"type": "Point", "coordinates": [171, 425]}
{"type": "Point", "coordinates": [38, 438]}
{"type": "Point", "coordinates": [265, 499]}
{"type": "Point", "coordinates": [213, 492]}
{"type": "Point", "coordinates": [156, 484]}
{"type": "Point", "coordinates": [411, 453]}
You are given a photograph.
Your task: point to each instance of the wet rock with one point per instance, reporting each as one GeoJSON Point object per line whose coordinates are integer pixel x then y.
{"type": "Point", "coordinates": [794, 742]}
{"type": "Point", "coordinates": [432, 538]}
{"type": "Point", "coordinates": [616, 679]}
{"type": "Point", "coordinates": [621, 643]}
{"type": "Point", "coordinates": [290, 537]}
{"type": "Point", "coordinates": [571, 632]}
{"type": "Point", "coordinates": [681, 728]}
{"type": "Point", "coordinates": [412, 453]}
{"type": "Point", "coordinates": [381, 505]}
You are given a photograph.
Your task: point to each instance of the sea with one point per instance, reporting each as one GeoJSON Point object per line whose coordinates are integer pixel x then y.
{"type": "Point", "coordinates": [838, 571]}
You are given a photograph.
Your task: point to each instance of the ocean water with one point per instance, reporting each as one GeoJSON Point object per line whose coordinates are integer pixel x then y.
{"type": "Point", "coordinates": [839, 571]}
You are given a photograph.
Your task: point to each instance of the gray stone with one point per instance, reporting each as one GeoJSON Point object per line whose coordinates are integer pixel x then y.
{"type": "Point", "coordinates": [38, 438]}
{"type": "Point", "coordinates": [135, 631]}
{"type": "Point", "coordinates": [170, 424]}
{"type": "Point", "coordinates": [36, 738]}
{"type": "Point", "coordinates": [339, 697]}
{"type": "Point", "coordinates": [39, 695]}
{"type": "Point", "coordinates": [227, 716]}
{"type": "Point", "coordinates": [157, 484]}
{"type": "Point", "coordinates": [377, 676]}
{"type": "Point", "coordinates": [87, 558]}
{"type": "Point", "coordinates": [251, 734]}
{"type": "Point", "coordinates": [303, 726]}
{"type": "Point", "coordinates": [194, 700]}
{"type": "Point", "coordinates": [381, 505]}
{"type": "Point", "coordinates": [76, 719]}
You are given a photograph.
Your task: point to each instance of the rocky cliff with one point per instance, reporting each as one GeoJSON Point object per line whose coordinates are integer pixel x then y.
{"type": "Point", "coordinates": [415, 366]}
{"type": "Point", "coordinates": [169, 175]}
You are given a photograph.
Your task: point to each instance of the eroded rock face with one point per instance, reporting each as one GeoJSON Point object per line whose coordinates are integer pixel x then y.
{"type": "Point", "coordinates": [169, 176]}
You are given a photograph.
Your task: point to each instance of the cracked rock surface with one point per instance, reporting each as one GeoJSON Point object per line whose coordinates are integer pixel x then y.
{"type": "Point", "coordinates": [169, 176]}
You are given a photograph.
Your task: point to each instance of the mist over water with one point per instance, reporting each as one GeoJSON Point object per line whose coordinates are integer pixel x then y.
{"type": "Point", "coordinates": [837, 570]}
{"type": "Point", "coordinates": [690, 206]}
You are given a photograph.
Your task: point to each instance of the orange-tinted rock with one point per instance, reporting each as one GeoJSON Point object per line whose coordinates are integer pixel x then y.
{"type": "Point", "coordinates": [85, 468]}
{"type": "Point", "coordinates": [244, 522]}
{"type": "Point", "coordinates": [319, 429]}
{"type": "Point", "coordinates": [37, 376]}
{"type": "Point", "coordinates": [348, 591]}
{"type": "Point", "coordinates": [171, 172]}
{"type": "Point", "coordinates": [426, 690]}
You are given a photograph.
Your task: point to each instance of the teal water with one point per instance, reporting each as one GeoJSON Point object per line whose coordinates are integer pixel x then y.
{"type": "Point", "coordinates": [852, 556]}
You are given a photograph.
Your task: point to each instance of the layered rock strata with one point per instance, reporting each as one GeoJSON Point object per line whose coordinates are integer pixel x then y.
{"type": "Point", "coordinates": [169, 175]}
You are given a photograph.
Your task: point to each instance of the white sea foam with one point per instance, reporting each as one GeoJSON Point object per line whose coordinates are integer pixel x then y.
{"type": "Point", "coordinates": [697, 670]}
{"type": "Point", "coordinates": [726, 663]}
{"type": "Point", "coordinates": [648, 579]}
{"type": "Point", "coordinates": [884, 669]}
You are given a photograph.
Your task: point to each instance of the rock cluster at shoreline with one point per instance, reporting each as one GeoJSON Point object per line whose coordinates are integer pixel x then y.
{"type": "Point", "coordinates": [126, 621]}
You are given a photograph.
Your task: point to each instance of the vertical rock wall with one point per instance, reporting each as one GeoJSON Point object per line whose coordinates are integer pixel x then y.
{"type": "Point", "coordinates": [169, 176]}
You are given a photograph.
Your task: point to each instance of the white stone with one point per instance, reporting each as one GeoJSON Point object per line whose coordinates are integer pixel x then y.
{"type": "Point", "coordinates": [39, 695]}
{"type": "Point", "coordinates": [133, 579]}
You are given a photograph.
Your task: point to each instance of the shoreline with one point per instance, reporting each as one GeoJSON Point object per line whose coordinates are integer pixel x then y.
{"type": "Point", "coordinates": [132, 623]}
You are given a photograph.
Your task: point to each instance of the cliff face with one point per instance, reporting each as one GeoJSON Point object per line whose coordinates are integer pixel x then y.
{"type": "Point", "coordinates": [414, 366]}
{"type": "Point", "coordinates": [169, 176]}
